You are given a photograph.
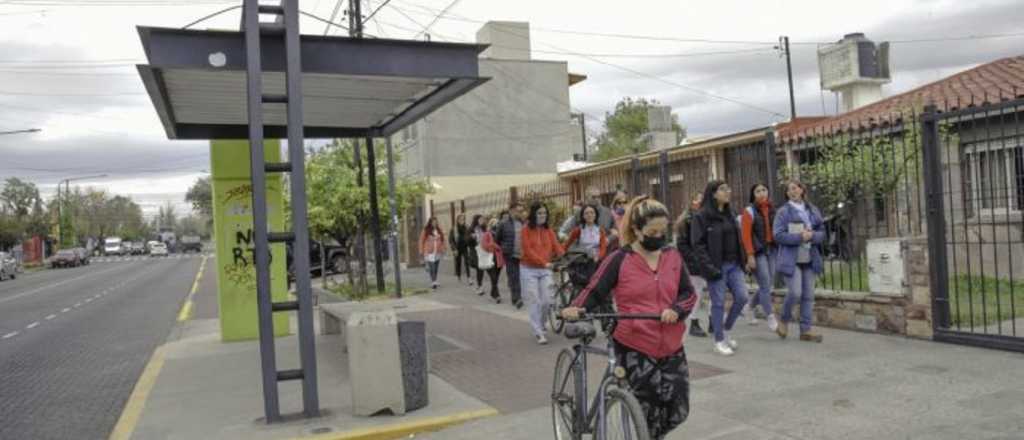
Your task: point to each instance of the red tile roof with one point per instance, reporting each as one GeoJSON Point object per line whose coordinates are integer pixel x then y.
{"type": "Point", "coordinates": [997, 81]}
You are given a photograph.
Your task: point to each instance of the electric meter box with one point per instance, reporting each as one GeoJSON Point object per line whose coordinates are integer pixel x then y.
{"type": "Point", "coordinates": [885, 267]}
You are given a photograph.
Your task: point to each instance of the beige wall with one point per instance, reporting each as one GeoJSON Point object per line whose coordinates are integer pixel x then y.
{"type": "Point", "coordinates": [453, 188]}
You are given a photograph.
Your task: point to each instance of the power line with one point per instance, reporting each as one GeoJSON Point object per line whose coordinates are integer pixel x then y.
{"type": "Point", "coordinates": [70, 95]}
{"type": "Point", "coordinates": [375, 11]}
{"type": "Point", "coordinates": [436, 18]}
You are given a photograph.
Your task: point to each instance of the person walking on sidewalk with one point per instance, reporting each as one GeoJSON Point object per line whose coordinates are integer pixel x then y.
{"type": "Point", "coordinates": [716, 243]}
{"type": "Point", "coordinates": [540, 246]}
{"type": "Point", "coordinates": [619, 208]}
{"type": "Point", "coordinates": [647, 276]}
{"type": "Point", "coordinates": [587, 238]}
{"type": "Point", "coordinates": [685, 247]}
{"type": "Point", "coordinates": [479, 229]}
{"type": "Point", "coordinates": [605, 217]}
{"type": "Point", "coordinates": [570, 221]}
{"type": "Point", "coordinates": [799, 231]}
{"type": "Point", "coordinates": [459, 240]}
{"type": "Point", "coordinates": [490, 246]}
{"type": "Point", "coordinates": [509, 236]}
{"type": "Point", "coordinates": [756, 223]}
{"type": "Point", "coordinates": [432, 249]}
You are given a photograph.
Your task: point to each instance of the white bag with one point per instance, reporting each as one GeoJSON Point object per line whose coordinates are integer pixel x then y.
{"type": "Point", "coordinates": [484, 259]}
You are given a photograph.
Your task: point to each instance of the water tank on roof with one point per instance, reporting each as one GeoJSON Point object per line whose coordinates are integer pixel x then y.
{"type": "Point", "coordinates": [856, 67]}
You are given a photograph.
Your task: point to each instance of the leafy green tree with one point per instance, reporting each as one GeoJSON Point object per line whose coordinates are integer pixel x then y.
{"type": "Point", "coordinates": [624, 129]}
{"type": "Point", "coordinates": [200, 195]}
{"type": "Point", "coordinates": [19, 197]}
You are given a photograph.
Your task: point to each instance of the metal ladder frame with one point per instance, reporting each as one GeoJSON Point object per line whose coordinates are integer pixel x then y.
{"type": "Point", "coordinates": [286, 25]}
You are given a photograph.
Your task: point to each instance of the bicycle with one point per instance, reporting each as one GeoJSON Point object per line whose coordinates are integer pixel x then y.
{"type": "Point", "coordinates": [614, 412]}
{"type": "Point", "coordinates": [566, 290]}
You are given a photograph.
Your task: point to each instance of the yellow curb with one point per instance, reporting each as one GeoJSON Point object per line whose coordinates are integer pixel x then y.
{"type": "Point", "coordinates": [186, 309]}
{"type": "Point", "coordinates": [137, 401]}
{"type": "Point", "coordinates": [401, 430]}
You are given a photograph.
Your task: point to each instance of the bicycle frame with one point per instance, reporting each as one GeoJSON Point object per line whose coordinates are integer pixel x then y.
{"type": "Point", "coordinates": [586, 420]}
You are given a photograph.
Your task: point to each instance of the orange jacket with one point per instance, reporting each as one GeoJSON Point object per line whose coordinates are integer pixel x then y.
{"type": "Point", "coordinates": [575, 235]}
{"type": "Point", "coordinates": [430, 244]}
{"type": "Point", "coordinates": [540, 246]}
{"type": "Point", "coordinates": [747, 228]}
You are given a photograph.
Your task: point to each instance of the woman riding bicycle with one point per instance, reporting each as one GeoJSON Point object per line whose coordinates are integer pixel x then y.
{"type": "Point", "coordinates": [646, 276]}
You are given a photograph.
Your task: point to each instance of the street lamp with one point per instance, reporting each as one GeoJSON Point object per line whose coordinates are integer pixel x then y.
{"type": "Point", "coordinates": [30, 130]}
{"type": "Point", "coordinates": [67, 189]}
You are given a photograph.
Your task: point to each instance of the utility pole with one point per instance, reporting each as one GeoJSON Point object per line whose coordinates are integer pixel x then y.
{"type": "Point", "coordinates": [784, 43]}
{"type": "Point", "coordinates": [583, 133]}
{"type": "Point", "coordinates": [392, 200]}
{"type": "Point", "coordinates": [355, 18]}
{"type": "Point", "coordinates": [378, 263]}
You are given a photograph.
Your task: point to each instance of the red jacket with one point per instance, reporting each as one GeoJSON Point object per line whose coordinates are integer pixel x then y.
{"type": "Point", "coordinates": [575, 235]}
{"type": "Point", "coordinates": [490, 245]}
{"type": "Point", "coordinates": [636, 289]}
{"type": "Point", "coordinates": [540, 246]}
{"type": "Point", "coordinates": [431, 244]}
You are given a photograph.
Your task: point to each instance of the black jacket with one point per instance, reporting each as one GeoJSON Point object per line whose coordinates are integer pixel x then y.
{"type": "Point", "coordinates": [461, 239]}
{"type": "Point", "coordinates": [708, 239]}
{"type": "Point", "coordinates": [685, 245]}
{"type": "Point", "coordinates": [505, 235]}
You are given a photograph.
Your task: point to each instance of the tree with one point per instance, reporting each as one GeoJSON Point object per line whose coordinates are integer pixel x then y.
{"type": "Point", "coordinates": [624, 129]}
{"type": "Point", "coordinates": [200, 195]}
{"type": "Point", "coordinates": [19, 197]}
{"type": "Point", "coordinates": [166, 217]}
{"type": "Point", "coordinates": [192, 225]}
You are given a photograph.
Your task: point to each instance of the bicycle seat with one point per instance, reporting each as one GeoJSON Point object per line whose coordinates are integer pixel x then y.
{"type": "Point", "coordinates": [577, 330]}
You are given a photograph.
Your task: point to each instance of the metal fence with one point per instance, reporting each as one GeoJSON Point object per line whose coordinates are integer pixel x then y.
{"type": "Point", "coordinates": [976, 196]}
{"type": "Point", "coordinates": [865, 177]}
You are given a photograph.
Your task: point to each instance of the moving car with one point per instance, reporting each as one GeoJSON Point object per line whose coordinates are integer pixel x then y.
{"type": "Point", "coordinates": [112, 246]}
{"type": "Point", "coordinates": [157, 249]}
{"type": "Point", "coordinates": [8, 266]}
{"type": "Point", "coordinates": [65, 258]}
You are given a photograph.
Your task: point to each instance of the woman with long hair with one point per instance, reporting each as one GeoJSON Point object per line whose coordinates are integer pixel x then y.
{"type": "Point", "coordinates": [539, 247]}
{"type": "Point", "coordinates": [479, 226]}
{"type": "Point", "coordinates": [756, 223]}
{"type": "Point", "coordinates": [432, 249]}
{"type": "Point", "coordinates": [647, 276]}
{"type": "Point", "coordinates": [587, 238]}
{"type": "Point", "coordinates": [491, 246]}
{"type": "Point", "coordinates": [685, 246]}
{"type": "Point", "coordinates": [799, 231]}
{"type": "Point", "coordinates": [715, 235]}
{"type": "Point", "coordinates": [460, 238]}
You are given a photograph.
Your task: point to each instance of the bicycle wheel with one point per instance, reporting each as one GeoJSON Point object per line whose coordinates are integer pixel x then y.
{"type": "Point", "coordinates": [624, 418]}
{"type": "Point", "coordinates": [563, 397]}
{"type": "Point", "coordinates": [561, 301]}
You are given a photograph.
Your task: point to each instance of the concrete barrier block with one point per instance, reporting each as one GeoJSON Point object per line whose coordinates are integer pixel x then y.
{"type": "Point", "coordinates": [375, 364]}
{"type": "Point", "coordinates": [329, 324]}
{"type": "Point", "coordinates": [412, 337]}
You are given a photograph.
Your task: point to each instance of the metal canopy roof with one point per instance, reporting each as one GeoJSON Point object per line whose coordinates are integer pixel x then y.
{"type": "Point", "coordinates": [351, 87]}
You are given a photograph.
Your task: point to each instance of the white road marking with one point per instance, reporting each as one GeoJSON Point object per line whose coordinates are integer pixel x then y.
{"type": "Point", "coordinates": [32, 325]}
{"type": "Point", "coordinates": [10, 335]}
{"type": "Point", "coordinates": [97, 296]}
{"type": "Point", "coordinates": [34, 291]}
{"type": "Point", "coordinates": [65, 310]}
{"type": "Point", "coordinates": [78, 305]}
{"type": "Point", "coordinates": [49, 317]}
{"type": "Point", "coordinates": [88, 300]}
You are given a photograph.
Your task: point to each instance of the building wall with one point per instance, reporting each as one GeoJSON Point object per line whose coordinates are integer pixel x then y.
{"type": "Point", "coordinates": [454, 188]}
{"type": "Point", "coordinates": [517, 123]}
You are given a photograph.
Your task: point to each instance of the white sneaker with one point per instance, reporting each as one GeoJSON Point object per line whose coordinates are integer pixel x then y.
{"type": "Point", "coordinates": [723, 349]}
{"type": "Point", "coordinates": [753, 318]}
{"type": "Point", "coordinates": [542, 340]}
{"type": "Point", "coordinates": [773, 324]}
{"type": "Point", "coordinates": [731, 342]}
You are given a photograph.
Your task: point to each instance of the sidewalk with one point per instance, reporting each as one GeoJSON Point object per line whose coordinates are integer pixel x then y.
{"type": "Point", "coordinates": [484, 358]}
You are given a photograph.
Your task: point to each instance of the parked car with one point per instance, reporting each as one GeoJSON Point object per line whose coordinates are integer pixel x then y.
{"type": "Point", "coordinates": [336, 256]}
{"type": "Point", "coordinates": [157, 249]}
{"type": "Point", "coordinates": [8, 266]}
{"type": "Point", "coordinates": [83, 256]}
{"type": "Point", "coordinates": [190, 243]}
{"type": "Point", "coordinates": [138, 248]}
{"type": "Point", "coordinates": [65, 258]}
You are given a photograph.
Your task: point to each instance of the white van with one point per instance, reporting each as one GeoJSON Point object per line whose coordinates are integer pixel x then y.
{"type": "Point", "coordinates": [112, 246]}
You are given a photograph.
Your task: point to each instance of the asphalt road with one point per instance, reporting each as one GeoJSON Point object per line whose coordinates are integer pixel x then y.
{"type": "Point", "coordinates": [73, 342]}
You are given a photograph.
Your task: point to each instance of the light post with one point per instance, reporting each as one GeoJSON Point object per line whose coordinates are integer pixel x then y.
{"type": "Point", "coordinates": [30, 130]}
{"type": "Point", "coordinates": [67, 189]}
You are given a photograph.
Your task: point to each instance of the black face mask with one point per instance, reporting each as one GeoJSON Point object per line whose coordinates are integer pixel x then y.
{"type": "Point", "coordinates": [652, 244]}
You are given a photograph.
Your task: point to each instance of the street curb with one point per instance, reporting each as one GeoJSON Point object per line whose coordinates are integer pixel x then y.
{"type": "Point", "coordinates": [132, 412]}
{"type": "Point", "coordinates": [401, 430]}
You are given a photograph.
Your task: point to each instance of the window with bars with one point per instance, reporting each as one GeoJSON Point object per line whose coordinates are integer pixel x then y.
{"type": "Point", "coordinates": [993, 176]}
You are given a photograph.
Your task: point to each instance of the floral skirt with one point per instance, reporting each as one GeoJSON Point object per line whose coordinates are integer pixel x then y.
{"type": "Point", "coordinates": [661, 385]}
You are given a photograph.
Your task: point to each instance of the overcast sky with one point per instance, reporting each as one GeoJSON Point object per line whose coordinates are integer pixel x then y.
{"type": "Point", "coordinates": [66, 66]}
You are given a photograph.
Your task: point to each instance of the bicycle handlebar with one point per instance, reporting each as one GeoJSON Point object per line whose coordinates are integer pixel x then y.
{"type": "Point", "coordinates": [590, 316]}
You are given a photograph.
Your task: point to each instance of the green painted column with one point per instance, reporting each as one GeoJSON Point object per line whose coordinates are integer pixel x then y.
{"type": "Point", "coordinates": [233, 234]}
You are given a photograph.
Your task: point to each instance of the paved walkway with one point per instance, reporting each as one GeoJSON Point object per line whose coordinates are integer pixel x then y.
{"type": "Point", "coordinates": [853, 386]}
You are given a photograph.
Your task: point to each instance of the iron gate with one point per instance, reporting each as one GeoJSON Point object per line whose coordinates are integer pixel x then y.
{"type": "Point", "coordinates": [974, 179]}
